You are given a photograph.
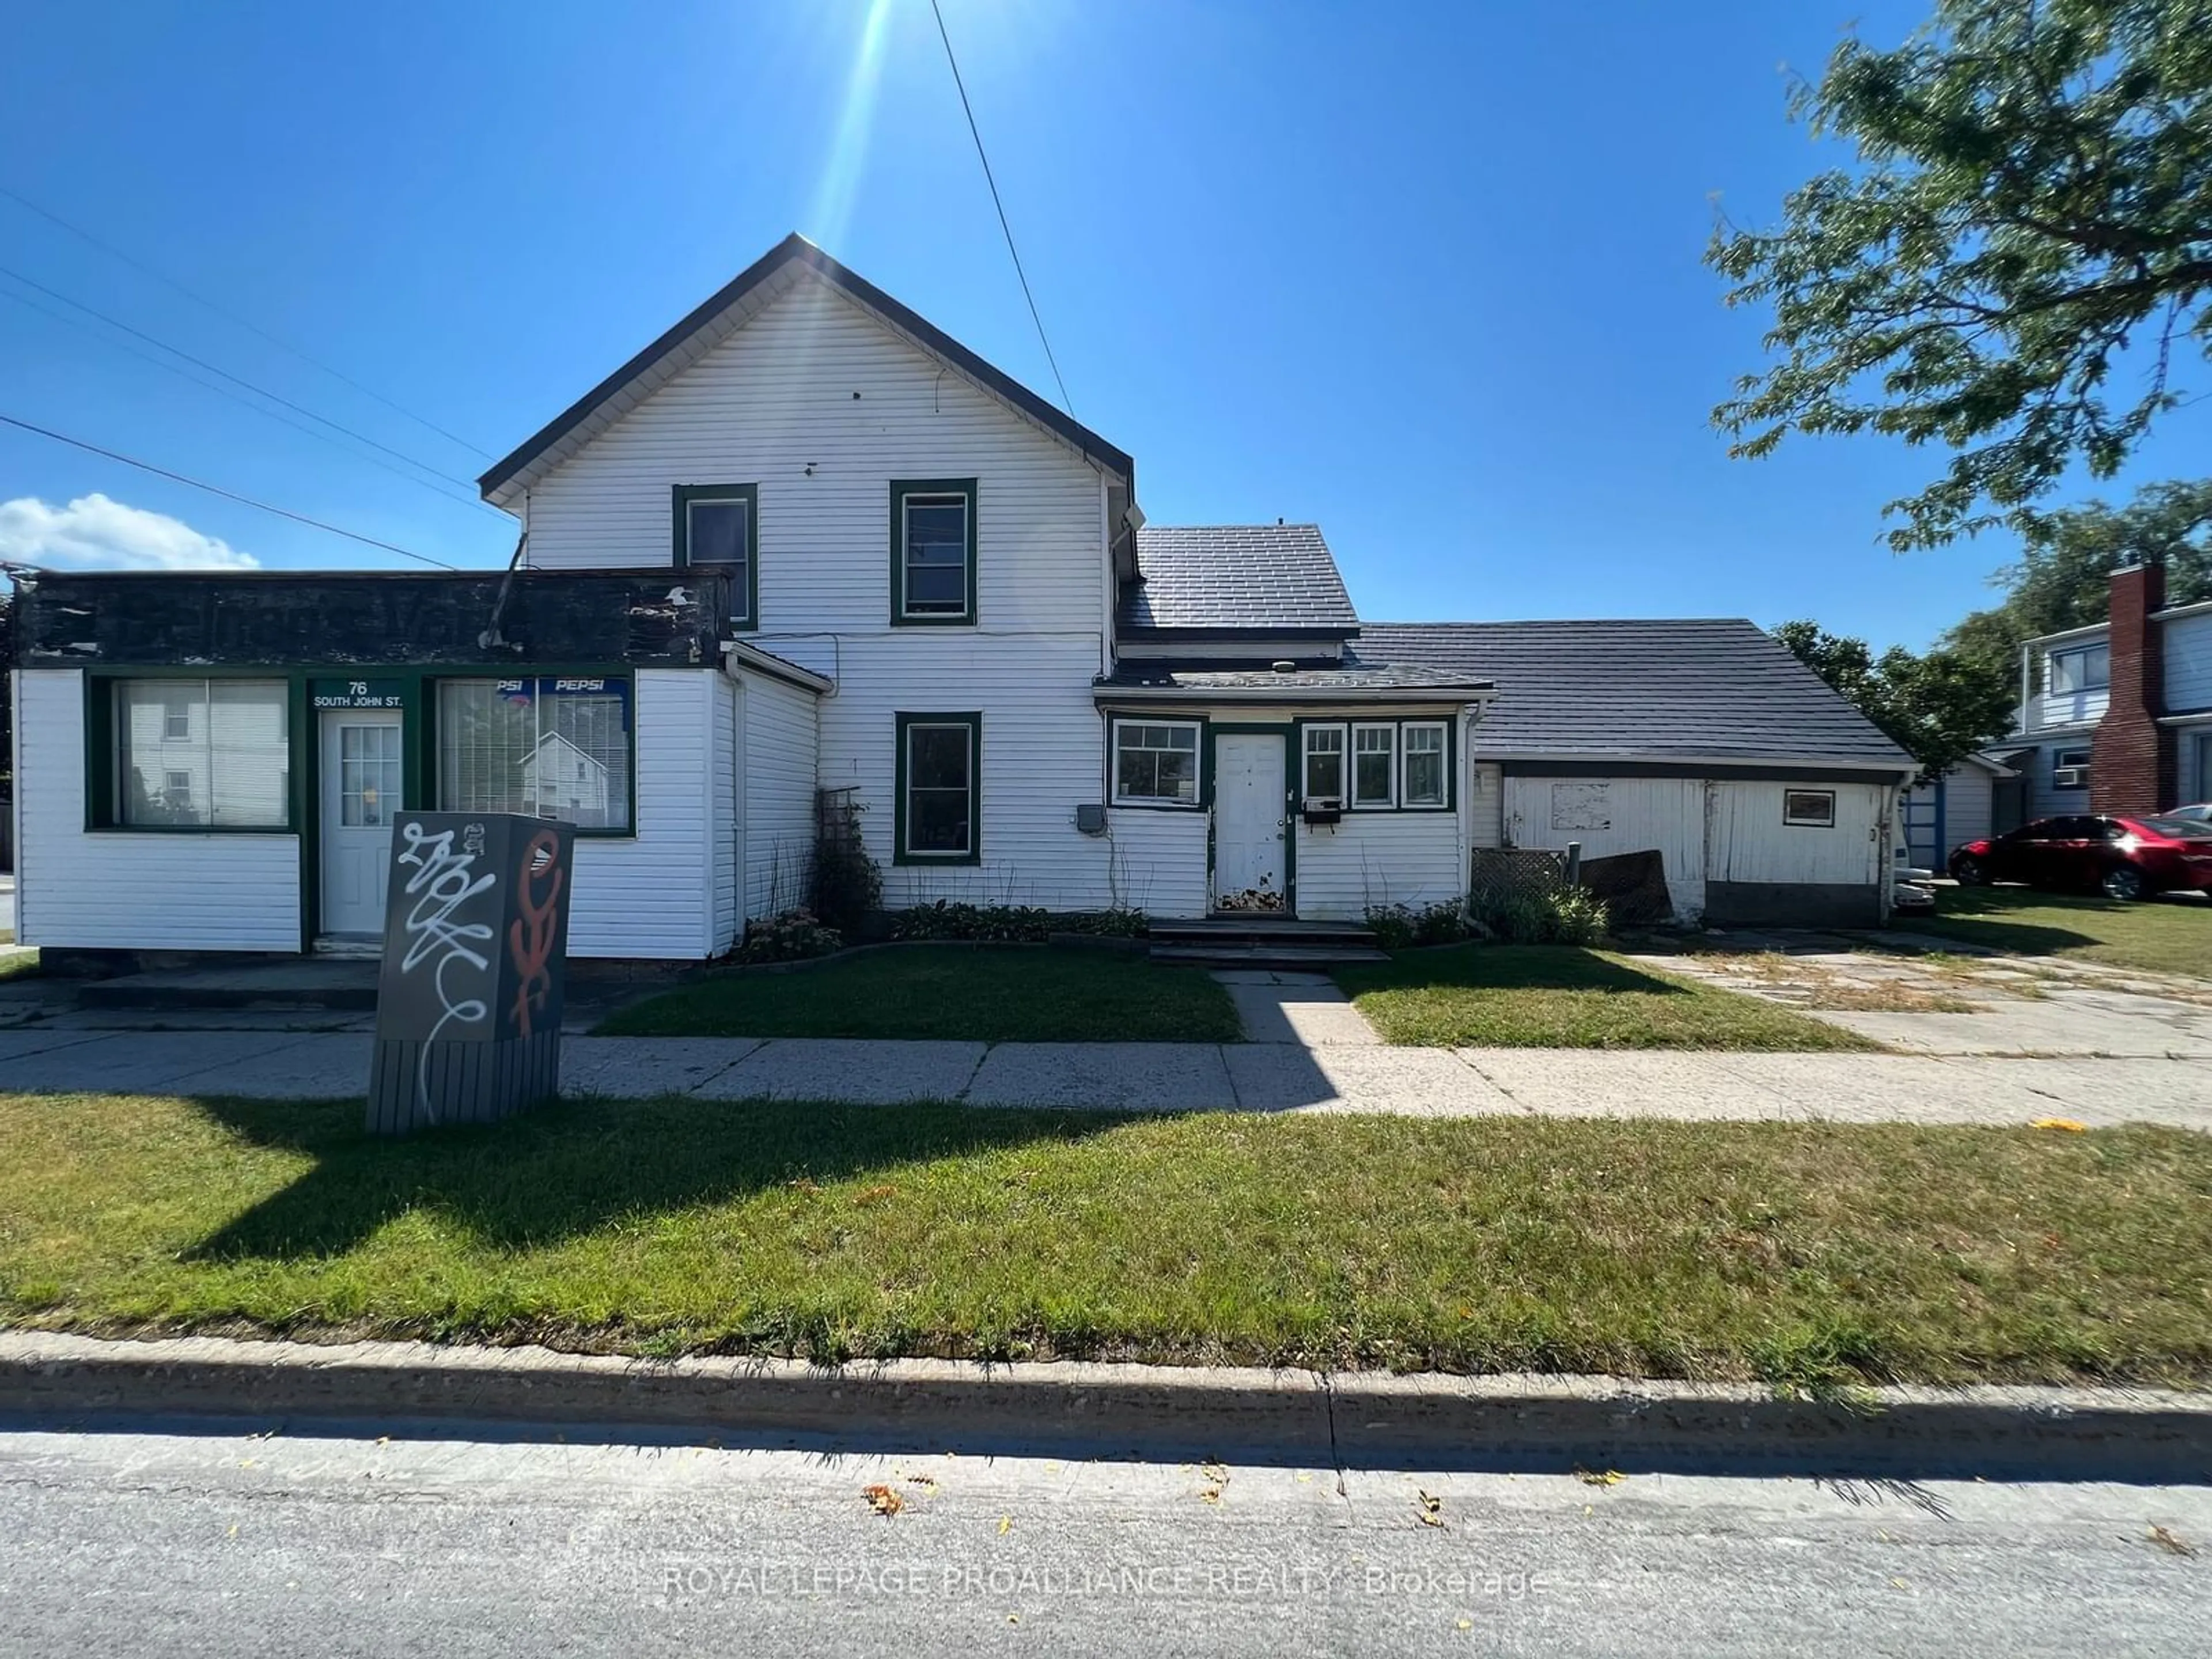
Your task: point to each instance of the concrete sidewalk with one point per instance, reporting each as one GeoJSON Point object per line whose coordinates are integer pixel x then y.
{"type": "Point", "coordinates": [1282, 1076]}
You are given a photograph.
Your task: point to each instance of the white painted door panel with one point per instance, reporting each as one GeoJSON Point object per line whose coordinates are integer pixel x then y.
{"type": "Point", "coordinates": [361, 792]}
{"type": "Point", "coordinates": [1250, 813]}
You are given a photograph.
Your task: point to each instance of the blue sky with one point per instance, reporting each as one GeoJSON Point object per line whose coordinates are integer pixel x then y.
{"type": "Point", "coordinates": [1430, 276]}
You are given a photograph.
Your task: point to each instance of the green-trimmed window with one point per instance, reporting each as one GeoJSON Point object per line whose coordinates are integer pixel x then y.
{"type": "Point", "coordinates": [1375, 765]}
{"type": "Point", "coordinates": [1323, 756]}
{"type": "Point", "coordinates": [717, 528]}
{"type": "Point", "coordinates": [1425, 772]}
{"type": "Point", "coordinates": [939, 784]}
{"type": "Point", "coordinates": [1155, 763]}
{"type": "Point", "coordinates": [933, 551]}
{"type": "Point", "coordinates": [548, 747]}
{"type": "Point", "coordinates": [202, 754]}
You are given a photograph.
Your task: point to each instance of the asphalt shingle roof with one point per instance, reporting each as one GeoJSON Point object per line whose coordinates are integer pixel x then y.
{"type": "Point", "coordinates": [1256, 575]}
{"type": "Point", "coordinates": [1720, 688]}
{"type": "Point", "coordinates": [1358, 673]}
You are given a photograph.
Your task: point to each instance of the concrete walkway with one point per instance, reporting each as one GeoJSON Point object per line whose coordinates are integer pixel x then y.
{"type": "Point", "coordinates": [1278, 1076]}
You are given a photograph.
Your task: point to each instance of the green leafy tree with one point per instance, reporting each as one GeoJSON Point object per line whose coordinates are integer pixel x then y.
{"type": "Point", "coordinates": [1939, 706]}
{"type": "Point", "coordinates": [2062, 579]}
{"type": "Point", "coordinates": [2031, 201]}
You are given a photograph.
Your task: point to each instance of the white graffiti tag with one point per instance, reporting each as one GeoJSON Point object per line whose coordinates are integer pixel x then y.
{"type": "Point", "coordinates": [441, 884]}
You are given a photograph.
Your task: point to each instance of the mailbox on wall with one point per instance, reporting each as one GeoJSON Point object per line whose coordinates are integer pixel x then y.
{"type": "Point", "coordinates": [468, 1000]}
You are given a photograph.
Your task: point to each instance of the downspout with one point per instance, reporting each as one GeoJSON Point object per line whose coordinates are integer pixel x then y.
{"type": "Point", "coordinates": [491, 639]}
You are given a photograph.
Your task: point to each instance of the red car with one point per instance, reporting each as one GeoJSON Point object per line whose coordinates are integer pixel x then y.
{"type": "Point", "coordinates": [2130, 857]}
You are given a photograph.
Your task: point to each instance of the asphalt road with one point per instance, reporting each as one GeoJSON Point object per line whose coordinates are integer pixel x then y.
{"type": "Point", "coordinates": [152, 1544]}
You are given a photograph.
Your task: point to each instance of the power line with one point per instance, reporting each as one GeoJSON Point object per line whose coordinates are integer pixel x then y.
{"type": "Point", "coordinates": [221, 390]}
{"type": "Point", "coordinates": [235, 379]}
{"type": "Point", "coordinates": [140, 265]}
{"type": "Point", "coordinates": [1065, 401]}
{"type": "Point", "coordinates": [228, 494]}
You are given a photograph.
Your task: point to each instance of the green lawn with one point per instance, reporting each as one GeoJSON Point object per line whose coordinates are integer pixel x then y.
{"type": "Point", "coordinates": [2172, 936]}
{"type": "Point", "coordinates": [1560, 996]}
{"type": "Point", "coordinates": [1798, 1253]}
{"type": "Point", "coordinates": [988, 993]}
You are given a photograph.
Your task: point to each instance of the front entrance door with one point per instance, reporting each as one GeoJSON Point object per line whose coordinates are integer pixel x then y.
{"type": "Point", "coordinates": [361, 792]}
{"type": "Point", "coordinates": [1251, 823]}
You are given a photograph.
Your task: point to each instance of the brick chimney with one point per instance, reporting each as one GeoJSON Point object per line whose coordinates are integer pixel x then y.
{"type": "Point", "coordinates": [2131, 761]}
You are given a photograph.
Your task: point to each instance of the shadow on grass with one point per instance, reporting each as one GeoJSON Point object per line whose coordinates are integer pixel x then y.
{"type": "Point", "coordinates": [1988, 916]}
{"type": "Point", "coordinates": [1507, 968]}
{"type": "Point", "coordinates": [578, 1166]}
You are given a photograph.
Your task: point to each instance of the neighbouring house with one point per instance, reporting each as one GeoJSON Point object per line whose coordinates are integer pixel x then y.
{"type": "Point", "coordinates": [1983, 795]}
{"type": "Point", "coordinates": [806, 546]}
{"type": "Point", "coordinates": [2116, 717]}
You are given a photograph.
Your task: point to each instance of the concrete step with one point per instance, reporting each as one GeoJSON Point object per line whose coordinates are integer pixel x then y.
{"type": "Point", "coordinates": [1296, 958]}
{"type": "Point", "coordinates": [348, 985]}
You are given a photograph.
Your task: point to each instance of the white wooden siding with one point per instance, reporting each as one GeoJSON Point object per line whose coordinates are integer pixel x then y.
{"type": "Point", "coordinates": [779, 737]}
{"type": "Point", "coordinates": [822, 407]}
{"type": "Point", "coordinates": [123, 891]}
{"type": "Point", "coordinates": [1639, 814]}
{"type": "Point", "coordinates": [2187, 643]}
{"type": "Point", "coordinates": [1484, 798]}
{"type": "Point", "coordinates": [724, 817]}
{"type": "Point", "coordinates": [1376, 858]}
{"type": "Point", "coordinates": [1043, 755]}
{"type": "Point", "coordinates": [1748, 840]}
{"type": "Point", "coordinates": [651, 896]}
{"type": "Point", "coordinates": [1157, 862]}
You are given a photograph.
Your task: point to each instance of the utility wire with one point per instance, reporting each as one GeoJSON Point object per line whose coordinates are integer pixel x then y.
{"type": "Point", "coordinates": [221, 391]}
{"type": "Point", "coordinates": [973, 132]}
{"type": "Point", "coordinates": [259, 390]}
{"type": "Point", "coordinates": [167, 280]}
{"type": "Point", "coordinates": [228, 494]}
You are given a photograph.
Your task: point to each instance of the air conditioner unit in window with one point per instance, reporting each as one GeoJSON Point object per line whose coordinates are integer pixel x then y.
{"type": "Point", "coordinates": [2069, 777]}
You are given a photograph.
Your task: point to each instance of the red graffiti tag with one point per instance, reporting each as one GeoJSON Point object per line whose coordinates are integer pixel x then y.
{"type": "Point", "coordinates": [530, 936]}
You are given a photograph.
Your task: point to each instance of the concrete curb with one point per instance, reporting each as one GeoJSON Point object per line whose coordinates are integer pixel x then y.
{"type": "Point", "coordinates": [1346, 1420]}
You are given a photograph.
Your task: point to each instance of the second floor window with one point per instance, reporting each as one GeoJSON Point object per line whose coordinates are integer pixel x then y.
{"type": "Point", "coordinates": [715, 526]}
{"type": "Point", "coordinates": [2083, 668]}
{"type": "Point", "coordinates": [932, 550]}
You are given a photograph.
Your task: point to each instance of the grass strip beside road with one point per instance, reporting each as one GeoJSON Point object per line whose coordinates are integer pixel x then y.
{"type": "Point", "coordinates": [1556, 996]}
{"type": "Point", "coordinates": [984, 994]}
{"type": "Point", "coordinates": [1801, 1254]}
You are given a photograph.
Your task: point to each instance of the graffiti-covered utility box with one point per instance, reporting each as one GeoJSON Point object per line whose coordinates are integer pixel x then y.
{"type": "Point", "coordinates": [476, 941]}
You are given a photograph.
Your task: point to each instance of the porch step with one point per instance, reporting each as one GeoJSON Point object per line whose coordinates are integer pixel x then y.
{"type": "Point", "coordinates": [1297, 959]}
{"type": "Point", "coordinates": [313, 983]}
{"type": "Point", "coordinates": [1262, 942]}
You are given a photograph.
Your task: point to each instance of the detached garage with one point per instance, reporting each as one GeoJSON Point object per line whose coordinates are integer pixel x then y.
{"type": "Point", "coordinates": [1771, 801]}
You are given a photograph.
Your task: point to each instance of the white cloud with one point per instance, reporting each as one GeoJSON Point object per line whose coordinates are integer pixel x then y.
{"type": "Point", "coordinates": [95, 533]}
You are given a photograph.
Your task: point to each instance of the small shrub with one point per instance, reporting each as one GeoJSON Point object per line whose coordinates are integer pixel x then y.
{"type": "Point", "coordinates": [843, 883]}
{"type": "Point", "coordinates": [1012, 924]}
{"type": "Point", "coordinates": [792, 937]}
{"type": "Point", "coordinates": [1564, 915]}
{"type": "Point", "coordinates": [1120, 922]}
{"type": "Point", "coordinates": [1396, 927]}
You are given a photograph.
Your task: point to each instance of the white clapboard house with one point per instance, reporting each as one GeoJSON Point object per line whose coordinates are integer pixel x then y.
{"type": "Point", "coordinates": [804, 542]}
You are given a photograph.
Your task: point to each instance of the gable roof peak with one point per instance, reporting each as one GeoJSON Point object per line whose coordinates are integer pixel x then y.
{"type": "Point", "coordinates": [711, 321]}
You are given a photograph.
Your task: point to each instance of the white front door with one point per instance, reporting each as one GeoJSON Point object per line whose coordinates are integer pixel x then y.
{"type": "Point", "coordinates": [1250, 822]}
{"type": "Point", "coordinates": [361, 792]}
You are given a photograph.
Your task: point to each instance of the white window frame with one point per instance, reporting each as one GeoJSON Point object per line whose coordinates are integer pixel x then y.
{"type": "Point", "coordinates": [1443, 751]}
{"type": "Point", "coordinates": [1342, 751]}
{"type": "Point", "coordinates": [1803, 821]}
{"type": "Point", "coordinates": [2081, 653]}
{"type": "Point", "coordinates": [1160, 803]}
{"type": "Point", "coordinates": [971, 731]}
{"type": "Point", "coordinates": [744, 599]}
{"type": "Point", "coordinates": [1388, 802]}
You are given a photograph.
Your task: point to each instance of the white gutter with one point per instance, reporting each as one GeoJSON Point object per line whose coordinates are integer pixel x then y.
{"type": "Point", "coordinates": [737, 654]}
{"type": "Point", "coordinates": [1456, 695]}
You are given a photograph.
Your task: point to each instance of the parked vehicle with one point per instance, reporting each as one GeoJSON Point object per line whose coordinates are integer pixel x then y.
{"type": "Point", "coordinates": [2200, 813]}
{"type": "Point", "coordinates": [2123, 858]}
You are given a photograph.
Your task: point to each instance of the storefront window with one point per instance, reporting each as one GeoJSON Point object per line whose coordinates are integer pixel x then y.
{"type": "Point", "coordinates": [547, 747]}
{"type": "Point", "coordinates": [211, 754]}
